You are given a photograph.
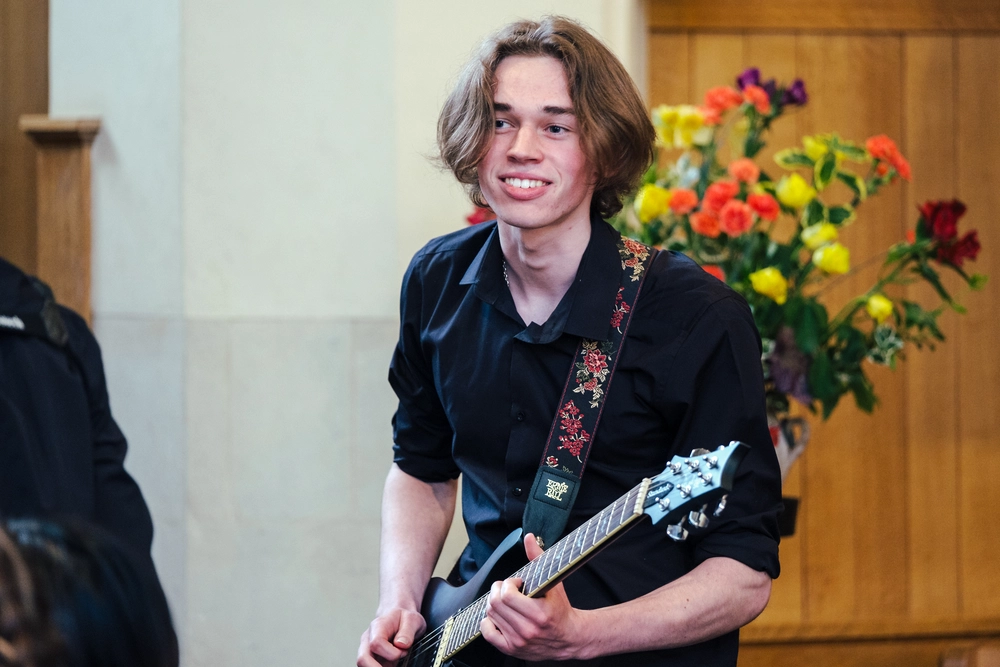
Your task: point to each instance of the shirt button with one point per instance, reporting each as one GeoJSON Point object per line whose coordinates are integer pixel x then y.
{"type": "Point", "coordinates": [516, 491]}
{"type": "Point", "coordinates": [520, 416]}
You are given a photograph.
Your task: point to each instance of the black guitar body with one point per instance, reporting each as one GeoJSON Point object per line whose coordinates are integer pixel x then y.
{"type": "Point", "coordinates": [441, 599]}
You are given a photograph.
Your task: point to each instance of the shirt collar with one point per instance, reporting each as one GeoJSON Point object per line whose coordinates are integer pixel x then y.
{"type": "Point", "coordinates": [585, 310]}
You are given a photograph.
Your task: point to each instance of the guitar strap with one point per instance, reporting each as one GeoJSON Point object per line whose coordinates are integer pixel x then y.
{"type": "Point", "coordinates": [572, 433]}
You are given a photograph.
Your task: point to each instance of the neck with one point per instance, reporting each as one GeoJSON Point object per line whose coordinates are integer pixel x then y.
{"type": "Point", "coordinates": [541, 265]}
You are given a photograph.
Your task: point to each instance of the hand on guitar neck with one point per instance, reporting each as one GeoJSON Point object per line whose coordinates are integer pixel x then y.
{"type": "Point", "coordinates": [542, 628]}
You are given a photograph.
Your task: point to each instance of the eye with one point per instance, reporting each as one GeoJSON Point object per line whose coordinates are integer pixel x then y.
{"type": "Point", "coordinates": [558, 129]}
{"type": "Point", "coordinates": [501, 124]}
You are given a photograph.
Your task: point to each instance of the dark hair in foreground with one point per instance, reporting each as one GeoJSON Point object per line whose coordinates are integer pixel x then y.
{"type": "Point", "coordinates": [616, 133]}
{"type": "Point", "coordinates": [72, 596]}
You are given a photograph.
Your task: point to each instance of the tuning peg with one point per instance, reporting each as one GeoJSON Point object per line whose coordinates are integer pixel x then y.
{"type": "Point", "coordinates": [677, 532]}
{"type": "Point", "coordinates": [721, 506]}
{"type": "Point", "coordinates": [694, 464]}
{"type": "Point", "coordinates": [664, 504]}
{"type": "Point", "coordinates": [684, 490]}
{"type": "Point", "coordinates": [699, 451]}
{"type": "Point", "coordinates": [698, 519]}
{"type": "Point", "coordinates": [706, 479]}
{"type": "Point", "coordinates": [712, 461]}
{"type": "Point", "coordinates": [674, 467]}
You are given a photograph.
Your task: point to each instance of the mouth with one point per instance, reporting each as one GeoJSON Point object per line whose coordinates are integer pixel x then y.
{"type": "Point", "coordinates": [524, 183]}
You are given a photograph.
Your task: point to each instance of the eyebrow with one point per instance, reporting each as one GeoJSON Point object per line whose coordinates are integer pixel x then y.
{"type": "Point", "coordinates": [551, 110]}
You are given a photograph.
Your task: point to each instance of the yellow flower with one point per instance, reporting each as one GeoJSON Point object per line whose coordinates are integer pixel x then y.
{"type": "Point", "coordinates": [819, 234]}
{"type": "Point", "coordinates": [651, 202]}
{"type": "Point", "coordinates": [879, 307]}
{"type": "Point", "coordinates": [689, 121]}
{"type": "Point", "coordinates": [794, 192]}
{"type": "Point", "coordinates": [814, 148]}
{"type": "Point", "coordinates": [833, 258]}
{"type": "Point", "coordinates": [770, 283]}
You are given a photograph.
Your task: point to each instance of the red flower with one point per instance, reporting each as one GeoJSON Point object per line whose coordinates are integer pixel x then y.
{"type": "Point", "coordinates": [941, 219]}
{"type": "Point", "coordinates": [718, 194]}
{"type": "Point", "coordinates": [735, 218]}
{"type": "Point", "coordinates": [683, 201]}
{"type": "Point", "coordinates": [715, 270]}
{"type": "Point", "coordinates": [955, 253]}
{"type": "Point", "coordinates": [765, 206]}
{"type": "Point", "coordinates": [712, 116]}
{"type": "Point", "coordinates": [552, 462]}
{"type": "Point", "coordinates": [591, 384]}
{"type": "Point", "coordinates": [479, 215]}
{"type": "Point", "coordinates": [595, 361]}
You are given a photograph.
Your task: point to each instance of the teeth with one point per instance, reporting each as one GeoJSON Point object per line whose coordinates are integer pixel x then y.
{"type": "Point", "coordinates": [523, 183]}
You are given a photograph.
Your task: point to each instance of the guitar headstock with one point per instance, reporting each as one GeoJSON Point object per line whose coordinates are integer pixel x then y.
{"type": "Point", "coordinates": [691, 486]}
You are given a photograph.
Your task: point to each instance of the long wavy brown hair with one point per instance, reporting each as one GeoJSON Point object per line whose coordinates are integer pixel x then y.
{"type": "Point", "coordinates": [616, 133]}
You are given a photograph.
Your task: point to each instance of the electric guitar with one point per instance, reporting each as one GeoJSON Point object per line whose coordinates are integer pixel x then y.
{"type": "Point", "coordinates": [685, 490]}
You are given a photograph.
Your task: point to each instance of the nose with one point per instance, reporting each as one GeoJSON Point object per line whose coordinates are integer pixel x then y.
{"type": "Point", "coordinates": [525, 147]}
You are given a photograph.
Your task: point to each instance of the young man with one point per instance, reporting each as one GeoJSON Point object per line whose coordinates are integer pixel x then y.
{"type": "Point", "coordinates": [547, 129]}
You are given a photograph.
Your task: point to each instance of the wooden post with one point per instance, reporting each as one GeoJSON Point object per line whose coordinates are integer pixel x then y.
{"type": "Point", "coordinates": [63, 229]}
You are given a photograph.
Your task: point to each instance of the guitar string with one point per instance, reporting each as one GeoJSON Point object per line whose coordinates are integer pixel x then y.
{"type": "Point", "coordinates": [427, 642]}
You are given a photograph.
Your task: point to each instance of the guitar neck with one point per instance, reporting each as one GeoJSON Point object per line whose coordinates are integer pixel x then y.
{"type": "Point", "coordinates": [538, 576]}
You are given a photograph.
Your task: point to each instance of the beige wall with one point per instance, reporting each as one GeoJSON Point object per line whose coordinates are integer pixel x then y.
{"type": "Point", "coordinates": [260, 182]}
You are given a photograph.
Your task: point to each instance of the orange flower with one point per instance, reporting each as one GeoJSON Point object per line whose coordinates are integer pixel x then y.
{"type": "Point", "coordinates": [718, 194]}
{"type": "Point", "coordinates": [744, 170]}
{"type": "Point", "coordinates": [884, 149]}
{"type": "Point", "coordinates": [765, 206]}
{"type": "Point", "coordinates": [715, 270]}
{"type": "Point", "coordinates": [705, 224]}
{"type": "Point", "coordinates": [902, 166]}
{"type": "Point", "coordinates": [881, 147]}
{"type": "Point", "coordinates": [757, 96]}
{"type": "Point", "coordinates": [711, 116]}
{"type": "Point", "coordinates": [722, 98]}
{"type": "Point", "coordinates": [735, 218]}
{"type": "Point", "coordinates": [683, 201]}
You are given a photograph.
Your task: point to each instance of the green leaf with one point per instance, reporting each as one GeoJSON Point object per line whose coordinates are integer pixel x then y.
{"type": "Point", "coordinates": [822, 380]}
{"type": "Point", "coordinates": [810, 326]}
{"type": "Point", "coordinates": [932, 277]}
{"type": "Point", "coordinates": [813, 212]}
{"type": "Point", "coordinates": [790, 158]}
{"type": "Point", "coordinates": [840, 215]}
{"type": "Point", "coordinates": [855, 183]}
{"type": "Point", "coordinates": [977, 281]}
{"type": "Point", "coordinates": [864, 392]}
{"type": "Point", "coordinates": [824, 171]}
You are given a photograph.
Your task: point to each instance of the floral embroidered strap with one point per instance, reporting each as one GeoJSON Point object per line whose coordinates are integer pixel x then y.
{"type": "Point", "coordinates": [572, 434]}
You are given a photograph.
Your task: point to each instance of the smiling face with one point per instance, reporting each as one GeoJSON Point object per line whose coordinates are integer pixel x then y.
{"type": "Point", "coordinates": [535, 174]}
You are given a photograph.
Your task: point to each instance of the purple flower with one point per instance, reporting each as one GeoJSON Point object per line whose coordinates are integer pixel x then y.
{"type": "Point", "coordinates": [795, 94]}
{"type": "Point", "coordinates": [789, 367]}
{"type": "Point", "coordinates": [769, 86]}
{"type": "Point", "coordinates": [750, 77]}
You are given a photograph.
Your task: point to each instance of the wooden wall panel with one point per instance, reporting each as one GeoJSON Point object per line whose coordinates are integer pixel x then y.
{"type": "Point", "coordinates": [932, 378]}
{"type": "Point", "coordinates": [978, 163]}
{"type": "Point", "coordinates": [669, 80]}
{"type": "Point", "coordinates": [24, 88]}
{"type": "Point", "coordinates": [843, 15]}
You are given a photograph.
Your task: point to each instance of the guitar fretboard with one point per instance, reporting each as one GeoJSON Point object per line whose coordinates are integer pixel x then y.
{"type": "Point", "coordinates": [538, 575]}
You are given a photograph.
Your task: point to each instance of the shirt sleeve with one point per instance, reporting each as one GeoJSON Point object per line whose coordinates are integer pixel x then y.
{"type": "Point", "coordinates": [118, 502]}
{"type": "Point", "coordinates": [725, 401]}
{"type": "Point", "coordinates": [422, 434]}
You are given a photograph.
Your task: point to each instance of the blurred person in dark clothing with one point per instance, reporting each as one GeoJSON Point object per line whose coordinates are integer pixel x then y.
{"type": "Point", "coordinates": [61, 452]}
{"type": "Point", "coordinates": [72, 595]}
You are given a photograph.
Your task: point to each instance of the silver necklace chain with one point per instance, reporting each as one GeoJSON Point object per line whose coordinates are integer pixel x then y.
{"type": "Point", "coordinates": [505, 278]}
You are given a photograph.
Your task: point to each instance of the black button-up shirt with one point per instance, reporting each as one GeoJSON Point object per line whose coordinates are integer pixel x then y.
{"type": "Point", "coordinates": [478, 390]}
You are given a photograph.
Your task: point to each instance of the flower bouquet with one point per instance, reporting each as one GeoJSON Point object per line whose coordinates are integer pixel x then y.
{"type": "Point", "coordinates": [715, 203]}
